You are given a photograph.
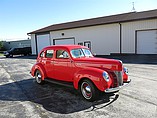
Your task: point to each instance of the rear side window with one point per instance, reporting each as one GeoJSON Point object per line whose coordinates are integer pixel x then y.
{"type": "Point", "coordinates": [49, 53]}
{"type": "Point", "coordinates": [42, 54]}
{"type": "Point", "coordinates": [62, 54]}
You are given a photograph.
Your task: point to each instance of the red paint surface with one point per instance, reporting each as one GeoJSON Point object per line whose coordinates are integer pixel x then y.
{"type": "Point", "coordinates": [75, 69]}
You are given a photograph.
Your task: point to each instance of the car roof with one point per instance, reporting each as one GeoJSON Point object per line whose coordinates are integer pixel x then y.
{"type": "Point", "coordinates": [69, 47]}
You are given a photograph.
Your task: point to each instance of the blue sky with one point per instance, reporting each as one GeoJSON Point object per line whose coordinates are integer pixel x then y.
{"type": "Point", "coordinates": [18, 17]}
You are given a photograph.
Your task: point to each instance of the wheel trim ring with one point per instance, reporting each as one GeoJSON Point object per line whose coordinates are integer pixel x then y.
{"type": "Point", "coordinates": [38, 77]}
{"type": "Point", "coordinates": [86, 90]}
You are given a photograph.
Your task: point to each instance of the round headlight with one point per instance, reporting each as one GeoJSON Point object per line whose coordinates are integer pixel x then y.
{"type": "Point", "coordinates": [106, 76]}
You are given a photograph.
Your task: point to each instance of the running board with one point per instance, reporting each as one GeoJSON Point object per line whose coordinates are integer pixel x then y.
{"type": "Point", "coordinates": [62, 83]}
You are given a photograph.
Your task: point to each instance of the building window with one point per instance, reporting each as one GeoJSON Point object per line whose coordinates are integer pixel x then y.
{"type": "Point", "coordinates": [87, 44]}
{"type": "Point", "coordinates": [81, 43]}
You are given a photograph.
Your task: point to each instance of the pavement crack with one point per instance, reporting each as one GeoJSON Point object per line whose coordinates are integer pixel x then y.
{"type": "Point", "coordinates": [145, 101]}
{"type": "Point", "coordinates": [142, 77]}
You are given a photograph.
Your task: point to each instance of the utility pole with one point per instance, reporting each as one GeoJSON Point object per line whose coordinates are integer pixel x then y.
{"type": "Point", "coordinates": [133, 7]}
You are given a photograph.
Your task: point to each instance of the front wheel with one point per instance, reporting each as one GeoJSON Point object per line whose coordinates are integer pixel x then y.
{"type": "Point", "coordinates": [88, 90]}
{"type": "Point", "coordinates": [11, 55]}
{"type": "Point", "coordinates": [38, 77]}
{"type": "Point", "coordinates": [7, 56]}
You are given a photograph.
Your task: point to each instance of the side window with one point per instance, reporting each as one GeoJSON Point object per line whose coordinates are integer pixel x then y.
{"type": "Point", "coordinates": [62, 54]}
{"type": "Point", "coordinates": [16, 49]}
{"type": "Point", "coordinates": [49, 53]}
{"type": "Point", "coordinates": [42, 54]}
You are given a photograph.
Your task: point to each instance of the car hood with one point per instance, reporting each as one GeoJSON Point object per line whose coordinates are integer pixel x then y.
{"type": "Point", "coordinates": [102, 63]}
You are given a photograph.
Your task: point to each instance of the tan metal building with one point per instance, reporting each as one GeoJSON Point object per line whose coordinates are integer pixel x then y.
{"type": "Point", "coordinates": [128, 33]}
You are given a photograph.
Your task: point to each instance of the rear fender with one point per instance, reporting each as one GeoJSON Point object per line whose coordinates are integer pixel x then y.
{"type": "Point", "coordinates": [39, 67]}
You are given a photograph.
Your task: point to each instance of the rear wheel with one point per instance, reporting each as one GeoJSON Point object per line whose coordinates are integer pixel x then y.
{"type": "Point", "coordinates": [38, 77]}
{"type": "Point", "coordinates": [88, 90]}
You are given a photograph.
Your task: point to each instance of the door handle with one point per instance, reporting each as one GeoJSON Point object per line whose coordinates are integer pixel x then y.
{"type": "Point", "coordinates": [52, 62]}
{"type": "Point", "coordinates": [71, 61]}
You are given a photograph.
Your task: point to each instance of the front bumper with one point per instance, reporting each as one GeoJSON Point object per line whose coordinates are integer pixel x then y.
{"type": "Point", "coordinates": [116, 89]}
{"type": "Point", "coordinates": [6, 54]}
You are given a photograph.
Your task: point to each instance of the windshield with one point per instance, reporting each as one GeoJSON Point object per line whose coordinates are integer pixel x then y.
{"type": "Point", "coordinates": [12, 49]}
{"type": "Point", "coordinates": [81, 52]}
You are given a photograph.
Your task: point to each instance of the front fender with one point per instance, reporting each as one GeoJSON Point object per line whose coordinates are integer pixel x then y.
{"type": "Point", "coordinates": [39, 67]}
{"type": "Point", "coordinates": [93, 74]}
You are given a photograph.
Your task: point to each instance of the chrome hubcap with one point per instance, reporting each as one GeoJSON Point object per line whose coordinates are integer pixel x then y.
{"type": "Point", "coordinates": [86, 90]}
{"type": "Point", "coordinates": [38, 77]}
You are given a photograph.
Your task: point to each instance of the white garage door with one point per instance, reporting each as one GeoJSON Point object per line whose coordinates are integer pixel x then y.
{"type": "Point", "coordinates": [147, 42]}
{"type": "Point", "coordinates": [66, 41]}
{"type": "Point", "coordinates": [43, 41]}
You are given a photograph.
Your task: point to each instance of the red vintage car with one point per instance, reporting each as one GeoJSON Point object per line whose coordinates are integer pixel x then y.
{"type": "Point", "coordinates": [74, 65]}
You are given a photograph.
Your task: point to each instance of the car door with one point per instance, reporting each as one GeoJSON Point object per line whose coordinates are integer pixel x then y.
{"type": "Point", "coordinates": [49, 63]}
{"type": "Point", "coordinates": [63, 66]}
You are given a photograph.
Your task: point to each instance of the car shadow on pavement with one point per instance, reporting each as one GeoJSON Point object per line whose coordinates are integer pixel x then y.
{"type": "Point", "coordinates": [51, 97]}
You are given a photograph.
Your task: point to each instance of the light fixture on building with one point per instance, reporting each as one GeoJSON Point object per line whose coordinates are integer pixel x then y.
{"type": "Point", "coordinates": [62, 34]}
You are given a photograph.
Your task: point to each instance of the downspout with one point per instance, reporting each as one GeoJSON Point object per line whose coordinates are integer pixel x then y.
{"type": "Point", "coordinates": [31, 40]}
{"type": "Point", "coordinates": [36, 45]}
{"type": "Point", "coordinates": [120, 37]}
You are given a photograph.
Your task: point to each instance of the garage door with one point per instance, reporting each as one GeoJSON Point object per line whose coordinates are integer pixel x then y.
{"type": "Point", "coordinates": [147, 42]}
{"type": "Point", "coordinates": [65, 41]}
{"type": "Point", "coordinates": [43, 41]}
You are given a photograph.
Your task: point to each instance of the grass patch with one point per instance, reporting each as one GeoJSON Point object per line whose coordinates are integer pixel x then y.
{"type": "Point", "coordinates": [1, 54]}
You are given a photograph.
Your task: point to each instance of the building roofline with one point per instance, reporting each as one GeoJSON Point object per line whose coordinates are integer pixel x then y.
{"type": "Point", "coordinates": [118, 18]}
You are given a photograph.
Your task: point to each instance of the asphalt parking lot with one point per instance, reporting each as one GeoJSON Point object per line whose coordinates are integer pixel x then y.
{"type": "Point", "coordinates": [21, 97]}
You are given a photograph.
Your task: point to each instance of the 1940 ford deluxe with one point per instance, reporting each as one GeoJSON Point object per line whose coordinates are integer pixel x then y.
{"type": "Point", "coordinates": [75, 65]}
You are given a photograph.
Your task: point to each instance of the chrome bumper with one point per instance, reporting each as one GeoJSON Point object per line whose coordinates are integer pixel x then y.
{"type": "Point", "coordinates": [116, 89]}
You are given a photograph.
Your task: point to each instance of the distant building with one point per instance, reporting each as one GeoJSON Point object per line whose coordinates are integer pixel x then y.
{"type": "Point", "coordinates": [128, 33]}
{"type": "Point", "coordinates": [17, 44]}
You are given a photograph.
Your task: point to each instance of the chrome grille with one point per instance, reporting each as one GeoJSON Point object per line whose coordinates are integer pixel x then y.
{"type": "Point", "coordinates": [119, 77]}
